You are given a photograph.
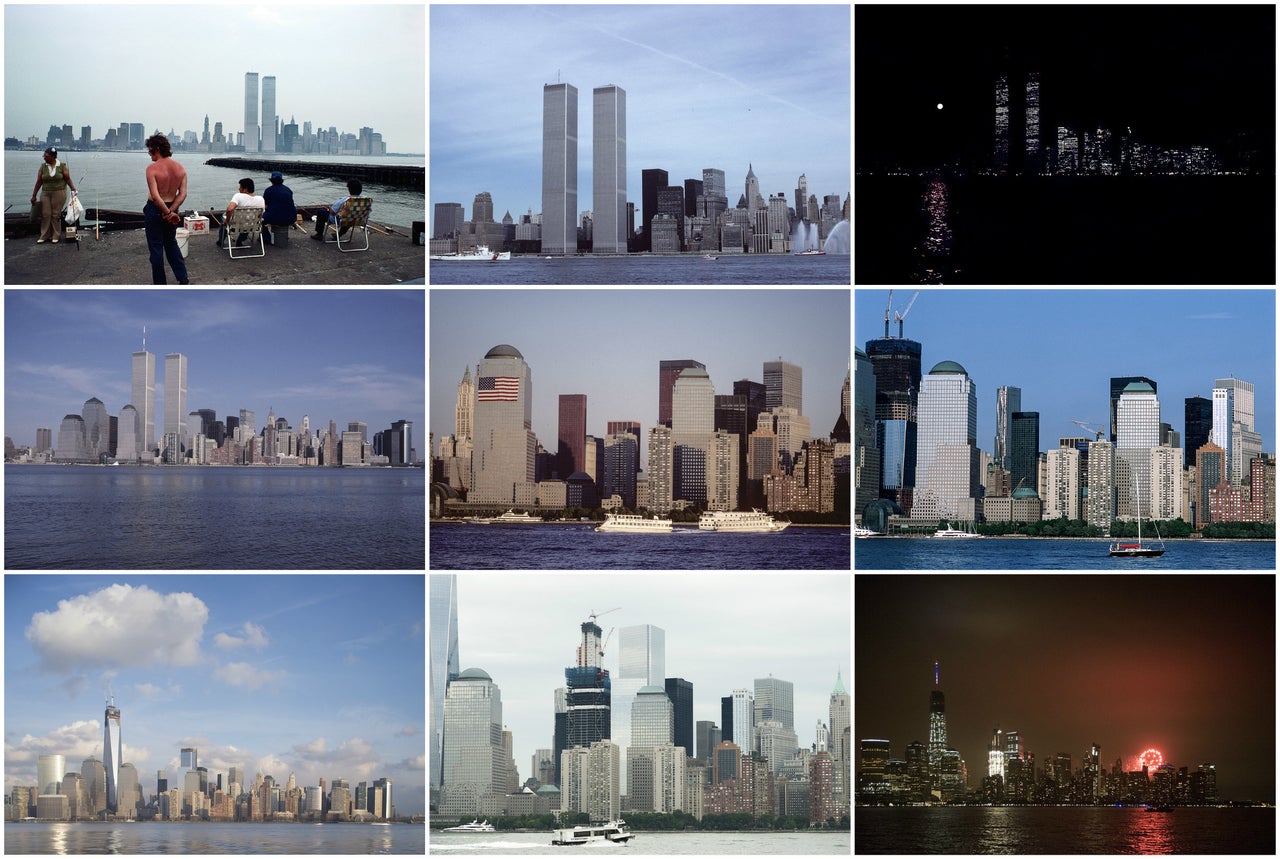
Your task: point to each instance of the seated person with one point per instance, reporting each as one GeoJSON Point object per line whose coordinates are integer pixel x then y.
{"type": "Point", "coordinates": [244, 197]}
{"type": "Point", "coordinates": [279, 203]}
{"type": "Point", "coordinates": [353, 190]}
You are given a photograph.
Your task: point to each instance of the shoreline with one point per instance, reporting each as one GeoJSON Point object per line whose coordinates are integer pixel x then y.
{"type": "Point", "coordinates": [1086, 539]}
{"type": "Point", "coordinates": [453, 520]}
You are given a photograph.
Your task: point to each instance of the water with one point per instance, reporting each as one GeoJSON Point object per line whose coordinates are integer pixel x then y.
{"type": "Point", "coordinates": [1111, 230]}
{"type": "Point", "coordinates": [217, 518]}
{"type": "Point", "coordinates": [119, 179]}
{"type": "Point", "coordinates": [1064, 830]}
{"type": "Point", "coordinates": [1006, 553]}
{"type": "Point", "coordinates": [630, 270]}
{"type": "Point", "coordinates": [576, 546]}
{"type": "Point", "coordinates": [649, 844]}
{"type": "Point", "coordinates": [219, 838]}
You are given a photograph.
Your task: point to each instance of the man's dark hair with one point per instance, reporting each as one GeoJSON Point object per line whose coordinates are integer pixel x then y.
{"type": "Point", "coordinates": [354, 187]}
{"type": "Point", "coordinates": [160, 143]}
{"type": "Point", "coordinates": [247, 184]}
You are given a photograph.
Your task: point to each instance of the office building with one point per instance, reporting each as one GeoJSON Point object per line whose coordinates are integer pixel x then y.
{"type": "Point", "coordinates": [1165, 468]}
{"type": "Point", "coordinates": [1118, 384]}
{"type": "Point", "coordinates": [783, 386]}
{"type": "Point", "coordinates": [50, 770]}
{"type": "Point", "coordinates": [473, 757]}
{"type": "Point", "coordinates": [621, 452]}
{"type": "Point", "coordinates": [588, 695]}
{"type": "Point", "coordinates": [841, 743]}
{"type": "Point", "coordinates": [1033, 123]}
{"type": "Point", "coordinates": [947, 485]}
{"type": "Point", "coordinates": [269, 118]}
{"type": "Point", "coordinates": [1197, 427]}
{"type": "Point", "coordinates": [1024, 450]}
{"type": "Point", "coordinates": [895, 363]}
{"type": "Point", "coordinates": [559, 169]}
{"type": "Point", "coordinates": [1233, 426]}
{"type": "Point", "coordinates": [660, 469]}
{"type": "Point", "coordinates": [680, 693]}
{"type": "Point", "coordinates": [692, 424]}
{"type": "Point", "coordinates": [503, 458]}
{"type": "Point", "coordinates": [250, 118]}
{"type": "Point", "coordinates": [94, 777]}
{"type": "Point", "coordinates": [652, 181]}
{"type": "Point", "coordinates": [1137, 431]}
{"type": "Point", "coordinates": [642, 662]}
{"type": "Point", "coordinates": [743, 720]}
{"type": "Point", "coordinates": [175, 397]}
{"type": "Point", "coordinates": [774, 700]}
{"type": "Point", "coordinates": [609, 170]}
{"type": "Point", "coordinates": [444, 660]}
{"type": "Point", "coordinates": [1008, 401]}
{"type": "Point", "coordinates": [1211, 473]}
{"type": "Point", "coordinates": [71, 440]}
{"type": "Point", "coordinates": [1001, 155]}
{"type": "Point", "coordinates": [111, 749]}
{"type": "Point", "coordinates": [144, 398]}
{"type": "Point", "coordinates": [128, 793]}
{"type": "Point", "coordinates": [571, 455]}
{"type": "Point", "coordinates": [866, 453]}
{"type": "Point", "coordinates": [464, 412]}
{"type": "Point", "coordinates": [668, 372]}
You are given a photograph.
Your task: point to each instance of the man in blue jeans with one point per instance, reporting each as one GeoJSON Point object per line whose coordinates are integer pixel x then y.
{"type": "Point", "coordinates": [166, 189]}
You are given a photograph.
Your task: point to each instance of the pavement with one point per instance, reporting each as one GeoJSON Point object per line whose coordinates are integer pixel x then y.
{"type": "Point", "coordinates": [120, 257]}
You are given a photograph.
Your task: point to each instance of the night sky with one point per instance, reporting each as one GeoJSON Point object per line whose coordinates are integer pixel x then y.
{"type": "Point", "coordinates": [1179, 75]}
{"type": "Point", "coordinates": [1184, 664]}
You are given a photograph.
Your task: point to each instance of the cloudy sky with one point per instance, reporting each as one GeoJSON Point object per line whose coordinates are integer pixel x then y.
{"type": "Point", "coordinates": [200, 68]}
{"type": "Point", "coordinates": [321, 676]}
{"type": "Point", "coordinates": [733, 332]}
{"type": "Point", "coordinates": [723, 630]}
{"type": "Point", "coordinates": [349, 355]}
{"type": "Point", "coordinates": [707, 86]}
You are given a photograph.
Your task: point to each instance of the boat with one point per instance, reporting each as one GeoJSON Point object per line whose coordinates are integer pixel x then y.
{"type": "Point", "coordinates": [481, 254]}
{"type": "Point", "coordinates": [615, 831]}
{"type": "Point", "coordinates": [742, 522]}
{"type": "Point", "coordinates": [710, 256]}
{"type": "Point", "coordinates": [513, 518]}
{"type": "Point", "coordinates": [473, 826]}
{"type": "Point", "coordinates": [1138, 550]}
{"type": "Point", "coordinates": [812, 252]}
{"type": "Point", "coordinates": [950, 533]}
{"type": "Point", "coordinates": [1159, 808]}
{"type": "Point", "coordinates": [861, 532]}
{"type": "Point", "coordinates": [633, 523]}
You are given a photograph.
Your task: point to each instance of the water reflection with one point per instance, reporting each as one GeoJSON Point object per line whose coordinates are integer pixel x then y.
{"type": "Point", "coordinates": [1150, 832]}
{"type": "Point", "coordinates": [934, 250]}
{"type": "Point", "coordinates": [58, 842]}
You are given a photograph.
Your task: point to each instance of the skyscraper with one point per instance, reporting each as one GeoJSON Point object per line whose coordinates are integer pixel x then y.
{"type": "Point", "coordinates": [896, 365]}
{"type": "Point", "coordinates": [1033, 123]}
{"type": "Point", "coordinates": [111, 753]}
{"type": "Point", "coordinates": [175, 396]}
{"type": "Point", "coordinates": [504, 456]}
{"type": "Point", "coordinates": [652, 725]}
{"type": "Point", "coordinates": [464, 413]}
{"type": "Point", "coordinates": [1118, 384]}
{"type": "Point", "coordinates": [1233, 427]}
{"type": "Point", "coordinates": [1001, 156]}
{"type": "Point", "coordinates": [947, 453]}
{"type": "Point", "coordinates": [144, 396]}
{"type": "Point", "coordinates": [50, 770]}
{"type": "Point", "coordinates": [269, 117]}
{"type": "Point", "coordinates": [743, 720]}
{"type": "Point", "coordinates": [668, 372]}
{"type": "Point", "coordinates": [773, 700]}
{"type": "Point", "coordinates": [680, 693]}
{"type": "Point", "coordinates": [473, 757]}
{"type": "Point", "coordinates": [1137, 431]}
{"type": "Point", "coordinates": [1024, 450]}
{"type": "Point", "coordinates": [1008, 401]}
{"type": "Point", "coordinates": [588, 692]}
{"type": "Point", "coordinates": [559, 169]}
{"type": "Point", "coordinates": [652, 181]}
{"type": "Point", "coordinates": [642, 661]}
{"type": "Point", "coordinates": [571, 452]}
{"type": "Point", "coordinates": [841, 743]}
{"type": "Point", "coordinates": [609, 170]}
{"type": "Point", "coordinates": [937, 728]}
{"type": "Point", "coordinates": [783, 386]}
{"type": "Point", "coordinates": [1197, 425]}
{"type": "Point", "coordinates": [96, 428]}
{"type": "Point", "coordinates": [444, 660]}
{"type": "Point", "coordinates": [250, 117]}
{"type": "Point", "coordinates": [692, 423]}
{"type": "Point", "coordinates": [866, 453]}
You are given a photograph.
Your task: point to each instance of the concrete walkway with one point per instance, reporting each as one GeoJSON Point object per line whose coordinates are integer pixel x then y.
{"type": "Point", "coordinates": [120, 257]}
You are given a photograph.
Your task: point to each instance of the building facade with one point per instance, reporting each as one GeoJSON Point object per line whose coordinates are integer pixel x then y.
{"type": "Point", "coordinates": [473, 755]}
{"type": "Point", "coordinates": [559, 169]}
{"type": "Point", "coordinates": [503, 459]}
{"type": "Point", "coordinates": [946, 454]}
{"type": "Point", "coordinates": [609, 170]}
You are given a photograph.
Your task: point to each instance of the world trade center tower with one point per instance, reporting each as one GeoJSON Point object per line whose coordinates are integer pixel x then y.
{"type": "Point", "coordinates": [144, 397]}
{"type": "Point", "coordinates": [559, 169]}
{"type": "Point", "coordinates": [251, 112]}
{"type": "Point", "coordinates": [609, 170]}
{"type": "Point", "coordinates": [111, 753]}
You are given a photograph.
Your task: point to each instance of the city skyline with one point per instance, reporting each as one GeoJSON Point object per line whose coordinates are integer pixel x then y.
{"type": "Point", "coordinates": [234, 37]}
{"type": "Point", "coordinates": [1065, 373]}
{"type": "Point", "coordinates": [716, 328]}
{"type": "Point", "coordinates": [331, 355]}
{"type": "Point", "coordinates": [187, 657]}
{"type": "Point", "coordinates": [680, 85]}
{"type": "Point", "coordinates": [526, 653]}
{"type": "Point", "coordinates": [1184, 664]}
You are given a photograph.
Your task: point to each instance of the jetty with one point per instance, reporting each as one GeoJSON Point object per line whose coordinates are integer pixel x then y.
{"type": "Point", "coordinates": [396, 175]}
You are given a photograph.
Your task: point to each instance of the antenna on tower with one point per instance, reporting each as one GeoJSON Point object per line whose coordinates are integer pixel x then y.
{"type": "Point", "coordinates": [144, 338]}
{"type": "Point", "coordinates": [935, 672]}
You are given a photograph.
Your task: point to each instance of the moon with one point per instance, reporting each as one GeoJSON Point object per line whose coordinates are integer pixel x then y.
{"type": "Point", "coordinates": [939, 105]}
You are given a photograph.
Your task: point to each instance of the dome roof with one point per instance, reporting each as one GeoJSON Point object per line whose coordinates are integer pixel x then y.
{"type": "Point", "coordinates": [502, 350]}
{"type": "Point", "coordinates": [1138, 388]}
{"type": "Point", "coordinates": [1025, 492]}
{"type": "Point", "coordinates": [475, 674]}
{"type": "Point", "coordinates": [948, 367]}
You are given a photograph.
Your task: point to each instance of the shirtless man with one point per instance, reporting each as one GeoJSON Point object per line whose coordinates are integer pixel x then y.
{"type": "Point", "coordinates": [166, 189]}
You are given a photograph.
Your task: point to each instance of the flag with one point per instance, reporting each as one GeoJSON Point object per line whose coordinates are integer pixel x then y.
{"type": "Point", "coordinates": [497, 389]}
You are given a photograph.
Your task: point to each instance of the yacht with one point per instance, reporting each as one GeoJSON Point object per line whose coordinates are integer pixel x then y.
{"type": "Point", "coordinates": [632, 523]}
{"type": "Point", "coordinates": [953, 533]}
{"type": "Point", "coordinates": [615, 831]}
{"type": "Point", "coordinates": [473, 826]}
{"type": "Point", "coordinates": [481, 254]}
{"type": "Point", "coordinates": [861, 532]}
{"type": "Point", "coordinates": [730, 520]}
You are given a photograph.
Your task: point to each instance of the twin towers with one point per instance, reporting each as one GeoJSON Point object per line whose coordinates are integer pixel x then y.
{"type": "Point", "coordinates": [560, 169]}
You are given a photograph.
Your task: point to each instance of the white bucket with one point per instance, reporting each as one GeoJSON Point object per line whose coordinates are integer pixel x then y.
{"type": "Point", "coordinates": [182, 234]}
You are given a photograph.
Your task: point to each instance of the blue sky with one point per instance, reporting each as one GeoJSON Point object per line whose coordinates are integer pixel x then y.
{"type": "Point", "coordinates": [1063, 346]}
{"type": "Point", "coordinates": [607, 344]}
{"type": "Point", "coordinates": [319, 675]}
{"type": "Point", "coordinates": [349, 355]}
{"type": "Point", "coordinates": [707, 86]}
{"type": "Point", "coordinates": [523, 630]}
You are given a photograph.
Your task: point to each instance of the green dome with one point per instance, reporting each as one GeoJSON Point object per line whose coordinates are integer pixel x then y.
{"type": "Point", "coordinates": [474, 674]}
{"type": "Point", "coordinates": [1138, 388]}
{"type": "Point", "coordinates": [948, 367]}
{"type": "Point", "coordinates": [1025, 492]}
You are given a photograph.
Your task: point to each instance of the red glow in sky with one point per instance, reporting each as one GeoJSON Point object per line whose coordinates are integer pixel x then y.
{"type": "Point", "coordinates": [1151, 759]}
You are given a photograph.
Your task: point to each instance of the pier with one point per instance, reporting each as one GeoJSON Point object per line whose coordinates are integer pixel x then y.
{"type": "Point", "coordinates": [396, 175]}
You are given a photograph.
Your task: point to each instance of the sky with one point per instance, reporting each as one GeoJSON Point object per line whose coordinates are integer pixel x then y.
{"type": "Point", "coordinates": [1061, 347]}
{"type": "Point", "coordinates": [169, 64]}
{"type": "Point", "coordinates": [346, 355]}
{"type": "Point", "coordinates": [1181, 663]}
{"type": "Point", "coordinates": [317, 675]}
{"type": "Point", "coordinates": [727, 87]}
{"type": "Point", "coordinates": [1178, 76]}
{"type": "Point", "coordinates": [523, 630]}
{"type": "Point", "coordinates": [607, 344]}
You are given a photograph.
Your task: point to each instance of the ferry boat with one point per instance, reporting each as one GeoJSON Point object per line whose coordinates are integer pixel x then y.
{"type": "Point", "coordinates": [473, 826]}
{"type": "Point", "coordinates": [513, 518]}
{"type": "Point", "coordinates": [615, 831]}
{"type": "Point", "coordinates": [812, 252]}
{"type": "Point", "coordinates": [860, 532]}
{"type": "Point", "coordinates": [482, 254]}
{"type": "Point", "coordinates": [633, 523]}
{"type": "Point", "coordinates": [732, 520]}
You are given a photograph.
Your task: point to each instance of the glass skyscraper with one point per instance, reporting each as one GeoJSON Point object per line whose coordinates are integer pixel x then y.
{"type": "Point", "coordinates": [588, 695]}
{"type": "Point", "coordinates": [175, 395]}
{"type": "Point", "coordinates": [559, 169]}
{"type": "Point", "coordinates": [571, 452]}
{"type": "Point", "coordinates": [774, 700]}
{"type": "Point", "coordinates": [144, 398]}
{"type": "Point", "coordinates": [269, 113]}
{"type": "Point", "coordinates": [668, 372]}
{"type": "Point", "coordinates": [444, 660]}
{"type": "Point", "coordinates": [896, 365]}
{"type": "Point", "coordinates": [609, 170]}
{"type": "Point", "coordinates": [947, 452]}
{"type": "Point", "coordinates": [692, 423]}
{"type": "Point", "coordinates": [1008, 401]}
{"type": "Point", "coordinates": [1137, 431]}
{"type": "Point", "coordinates": [642, 662]}
{"type": "Point", "coordinates": [1024, 450]}
{"type": "Point", "coordinates": [1197, 425]}
{"type": "Point", "coordinates": [111, 754]}
{"type": "Point", "coordinates": [473, 753]}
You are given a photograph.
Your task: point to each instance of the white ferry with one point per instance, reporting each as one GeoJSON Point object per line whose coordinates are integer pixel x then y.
{"type": "Point", "coordinates": [615, 831]}
{"type": "Point", "coordinates": [633, 523]}
{"type": "Point", "coordinates": [732, 520]}
{"type": "Point", "coordinates": [473, 826]}
{"type": "Point", "coordinates": [481, 254]}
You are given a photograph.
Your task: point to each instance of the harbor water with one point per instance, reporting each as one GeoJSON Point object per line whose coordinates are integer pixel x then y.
{"type": "Point", "coordinates": [230, 839]}
{"type": "Point", "coordinates": [1013, 553]}
{"type": "Point", "coordinates": [650, 844]}
{"type": "Point", "coordinates": [631, 270]}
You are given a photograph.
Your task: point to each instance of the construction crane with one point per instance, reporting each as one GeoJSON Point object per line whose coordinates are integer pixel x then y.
{"type": "Point", "coordinates": [596, 614]}
{"type": "Point", "coordinates": [606, 643]}
{"type": "Point", "coordinates": [1097, 432]}
{"type": "Point", "coordinates": [887, 308]}
{"type": "Point", "coordinates": [903, 315]}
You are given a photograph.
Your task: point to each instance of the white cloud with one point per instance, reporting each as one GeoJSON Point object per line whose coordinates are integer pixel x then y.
{"type": "Point", "coordinates": [120, 626]}
{"type": "Point", "coordinates": [246, 675]}
{"type": "Point", "coordinates": [254, 636]}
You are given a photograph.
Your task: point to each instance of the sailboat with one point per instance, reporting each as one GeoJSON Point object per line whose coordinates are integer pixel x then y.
{"type": "Point", "coordinates": [1138, 550]}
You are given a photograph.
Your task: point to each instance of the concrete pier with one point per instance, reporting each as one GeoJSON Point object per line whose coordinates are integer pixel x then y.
{"type": "Point", "coordinates": [397, 175]}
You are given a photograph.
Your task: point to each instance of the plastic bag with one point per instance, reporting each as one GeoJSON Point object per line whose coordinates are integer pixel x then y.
{"type": "Point", "coordinates": [75, 211]}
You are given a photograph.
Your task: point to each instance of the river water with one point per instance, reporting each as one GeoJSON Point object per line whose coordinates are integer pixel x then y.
{"type": "Point", "coordinates": [232, 839]}
{"type": "Point", "coordinates": [1012, 553]}
{"type": "Point", "coordinates": [631, 270]}
{"type": "Point", "coordinates": [649, 844]}
{"type": "Point", "coordinates": [119, 181]}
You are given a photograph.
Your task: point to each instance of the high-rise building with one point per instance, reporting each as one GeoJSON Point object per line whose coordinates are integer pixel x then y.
{"type": "Point", "coordinates": [896, 365]}
{"type": "Point", "coordinates": [473, 757]}
{"type": "Point", "coordinates": [1033, 123]}
{"type": "Point", "coordinates": [96, 428]}
{"type": "Point", "coordinates": [692, 423]}
{"type": "Point", "coordinates": [94, 776]}
{"type": "Point", "coordinates": [128, 794]}
{"type": "Point", "coordinates": [668, 372]}
{"type": "Point", "coordinates": [111, 749]}
{"type": "Point", "coordinates": [571, 455]}
{"type": "Point", "coordinates": [937, 728]}
{"type": "Point", "coordinates": [1024, 450]}
{"type": "Point", "coordinates": [1211, 472]}
{"type": "Point", "coordinates": [1008, 401]}
{"type": "Point", "coordinates": [660, 468]}
{"type": "Point", "coordinates": [609, 170]}
{"type": "Point", "coordinates": [1197, 426]}
{"type": "Point", "coordinates": [1233, 426]}
{"type": "Point", "coordinates": [1137, 431]}
{"type": "Point", "coordinates": [444, 660]}
{"type": "Point", "coordinates": [144, 397]}
{"type": "Point", "coordinates": [783, 386]}
{"type": "Point", "coordinates": [175, 397]}
{"type": "Point", "coordinates": [642, 662]}
{"type": "Point", "coordinates": [50, 771]}
{"type": "Point", "coordinates": [559, 169]}
{"type": "Point", "coordinates": [1118, 384]}
{"type": "Point", "coordinates": [652, 726]}
{"type": "Point", "coordinates": [250, 115]}
{"type": "Point", "coordinates": [1062, 484]}
{"type": "Point", "coordinates": [1100, 508]}
{"type": "Point", "coordinates": [866, 452]}
{"type": "Point", "coordinates": [621, 452]}
{"type": "Point", "coordinates": [743, 720]}
{"type": "Point", "coordinates": [995, 754]}
{"type": "Point", "coordinates": [464, 413]}
{"type": "Point", "coordinates": [680, 693]}
{"type": "Point", "coordinates": [71, 440]}
{"type": "Point", "coordinates": [947, 483]}
{"type": "Point", "coordinates": [774, 700]}
{"type": "Point", "coordinates": [504, 457]}
{"type": "Point", "coordinates": [383, 808]}
{"type": "Point", "coordinates": [588, 696]}
{"type": "Point", "coordinates": [1001, 156]}
{"type": "Point", "coordinates": [652, 181]}
{"type": "Point", "coordinates": [269, 118]}
{"type": "Point", "coordinates": [841, 743]}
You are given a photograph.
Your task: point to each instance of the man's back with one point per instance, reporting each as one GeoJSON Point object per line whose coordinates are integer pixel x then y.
{"type": "Point", "coordinates": [168, 175]}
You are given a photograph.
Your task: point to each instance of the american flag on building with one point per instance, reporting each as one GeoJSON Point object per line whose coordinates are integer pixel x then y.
{"type": "Point", "coordinates": [498, 389]}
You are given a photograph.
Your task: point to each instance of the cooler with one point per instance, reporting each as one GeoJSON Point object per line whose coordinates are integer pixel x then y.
{"type": "Point", "coordinates": [197, 226]}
